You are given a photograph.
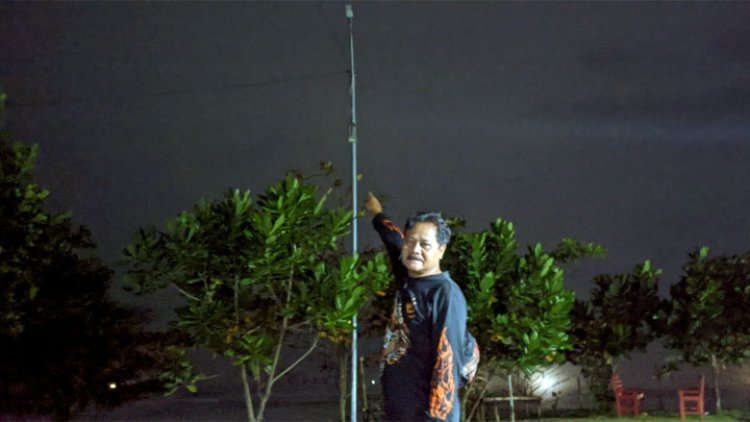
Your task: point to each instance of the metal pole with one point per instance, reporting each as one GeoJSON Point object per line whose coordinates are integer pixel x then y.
{"type": "Point", "coordinates": [353, 142]}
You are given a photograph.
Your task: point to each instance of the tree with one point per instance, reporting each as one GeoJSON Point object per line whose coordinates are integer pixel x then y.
{"type": "Point", "coordinates": [28, 232]}
{"type": "Point", "coordinates": [624, 314]}
{"type": "Point", "coordinates": [709, 322]}
{"type": "Point", "coordinates": [518, 305]}
{"type": "Point", "coordinates": [253, 274]}
{"type": "Point", "coordinates": [62, 341]}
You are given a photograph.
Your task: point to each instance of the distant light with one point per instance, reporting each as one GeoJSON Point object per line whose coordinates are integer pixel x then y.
{"type": "Point", "coordinates": [373, 382]}
{"type": "Point", "coordinates": [112, 386]}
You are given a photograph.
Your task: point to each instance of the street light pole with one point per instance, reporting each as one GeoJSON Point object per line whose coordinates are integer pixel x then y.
{"type": "Point", "coordinates": [353, 142]}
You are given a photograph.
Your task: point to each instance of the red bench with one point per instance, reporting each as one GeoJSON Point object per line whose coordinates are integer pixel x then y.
{"type": "Point", "coordinates": [627, 400]}
{"type": "Point", "coordinates": [691, 401]}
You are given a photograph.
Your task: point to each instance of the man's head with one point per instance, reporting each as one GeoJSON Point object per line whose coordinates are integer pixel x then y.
{"type": "Point", "coordinates": [426, 237]}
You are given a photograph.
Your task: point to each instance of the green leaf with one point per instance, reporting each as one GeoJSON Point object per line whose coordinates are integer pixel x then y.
{"type": "Point", "coordinates": [33, 291]}
{"type": "Point", "coordinates": [319, 205]}
{"type": "Point", "coordinates": [277, 224]}
{"type": "Point", "coordinates": [487, 282]}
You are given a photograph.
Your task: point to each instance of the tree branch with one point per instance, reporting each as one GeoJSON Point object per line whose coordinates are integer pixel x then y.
{"type": "Point", "coordinates": [236, 299]}
{"type": "Point", "coordinates": [312, 347]}
{"type": "Point", "coordinates": [186, 294]}
{"type": "Point", "coordinates": [277, 353]}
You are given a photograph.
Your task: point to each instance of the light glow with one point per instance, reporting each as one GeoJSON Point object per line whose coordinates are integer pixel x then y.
{"type": "Point", "coordinates": [546, 382]}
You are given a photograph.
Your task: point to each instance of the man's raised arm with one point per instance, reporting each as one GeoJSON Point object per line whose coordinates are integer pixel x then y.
{"type": "Point", "coordinates": [390, 234]}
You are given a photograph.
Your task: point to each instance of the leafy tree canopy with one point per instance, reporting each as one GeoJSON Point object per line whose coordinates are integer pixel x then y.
{"type": "Point", "coordinates": [62, 340]}
{"type": "Point", "coordinates": [709, 322]}
{"type": "Point", "coordinates": [255, 271]}
{"type": "Point", "coordinates": [624, 314]}
{"type": "Point", "coordinates": [709, 318]}
{"type": "Point", "coordinates": [518, 304]}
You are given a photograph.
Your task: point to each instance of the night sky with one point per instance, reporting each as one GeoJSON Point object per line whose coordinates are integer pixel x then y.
{"type": "Point", "coordinates": [622, 123]}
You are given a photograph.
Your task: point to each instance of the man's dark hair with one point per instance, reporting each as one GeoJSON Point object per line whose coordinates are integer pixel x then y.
{"type": "Point", "coordinates": [443, 231]}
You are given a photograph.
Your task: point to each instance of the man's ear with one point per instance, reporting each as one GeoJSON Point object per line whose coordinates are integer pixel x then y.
{"type": "Point", "coordinates": [442, 249]}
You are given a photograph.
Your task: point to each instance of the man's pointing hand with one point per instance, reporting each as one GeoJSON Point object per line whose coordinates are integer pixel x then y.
{"type": "Point", "coordinates": [372, 204]}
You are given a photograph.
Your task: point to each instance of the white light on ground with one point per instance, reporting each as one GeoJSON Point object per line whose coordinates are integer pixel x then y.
{"type": "Point", "coordinates": [112, 386]}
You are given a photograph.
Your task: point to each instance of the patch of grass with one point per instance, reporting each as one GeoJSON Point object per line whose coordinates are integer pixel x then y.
{"type": "Point", "coordinates": [739, 414]}
{"type": "Point", "coordinates": [646, 418]}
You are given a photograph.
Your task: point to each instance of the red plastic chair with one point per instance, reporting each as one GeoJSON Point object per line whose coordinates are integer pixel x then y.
{"type": "Point", "coordinates": [627, 400]}
{"type": "Point", "coordinates": [691, 401]}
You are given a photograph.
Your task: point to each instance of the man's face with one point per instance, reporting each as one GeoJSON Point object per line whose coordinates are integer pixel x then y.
{"type": "Point", "coordinates": [420, 252]}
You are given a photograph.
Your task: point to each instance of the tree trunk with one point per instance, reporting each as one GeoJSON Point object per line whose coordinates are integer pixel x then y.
{"type": "Point", "coordinates": [248, 396]}
{"type": "Point", "coordinates": [363, 386]}
{"type": "Point", "coordinates": [715, 369]}
{"type": "Point", "coordinates": [343, 381]}
{"type": "Point", "coordinates": [265, 395]}
{"type": "Point", "coordinates": [243, 370]}
{"type": "Point", "coordinates": [510, 395]}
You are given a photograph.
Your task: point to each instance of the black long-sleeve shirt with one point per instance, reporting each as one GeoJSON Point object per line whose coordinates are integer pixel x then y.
{"type": "Point", "coordinates": [426, 341]}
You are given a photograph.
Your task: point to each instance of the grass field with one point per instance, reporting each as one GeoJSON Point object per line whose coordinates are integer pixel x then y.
{"type": "Point", "coordinates": [582, 415]}
{"type": "Point", "coordinates": [647, 418]}
{"type": "Point", "coordinates": [729, 416]}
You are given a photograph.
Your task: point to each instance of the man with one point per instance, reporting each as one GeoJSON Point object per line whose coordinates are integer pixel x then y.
{"type": "Point", "coordinates": [427, 352]}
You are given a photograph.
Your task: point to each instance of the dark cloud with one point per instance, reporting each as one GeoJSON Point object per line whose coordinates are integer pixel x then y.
{"type": "Point", "coordinates": [622, 123]}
